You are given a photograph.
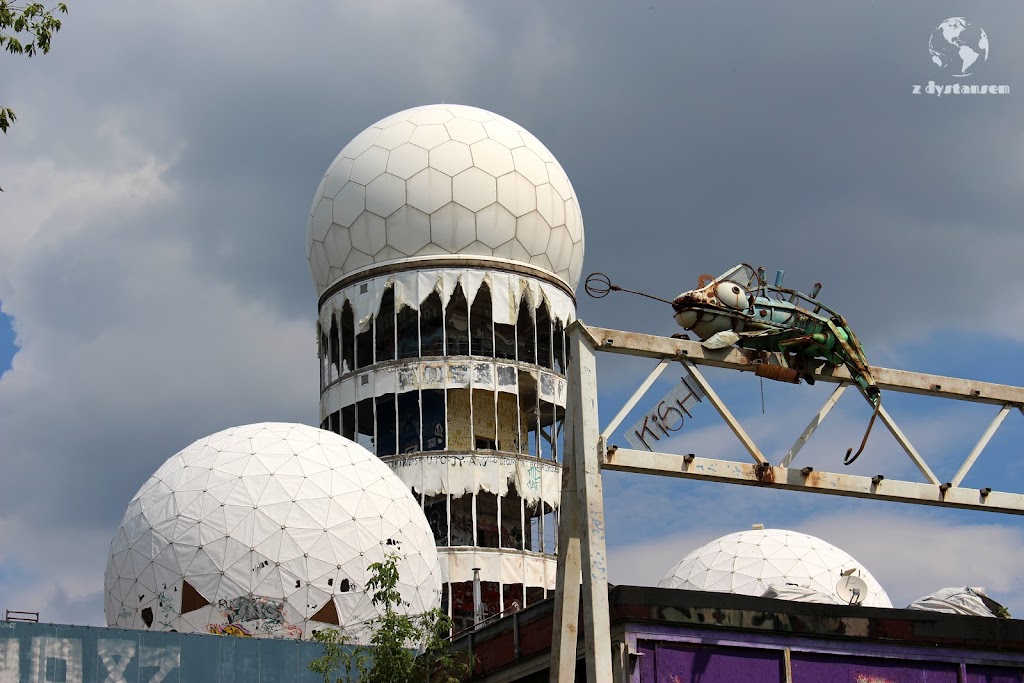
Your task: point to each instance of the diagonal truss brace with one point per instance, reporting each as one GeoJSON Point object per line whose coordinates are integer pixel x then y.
{"type": "Point", "coordinates": [691, 354]}
{"type": "Point", "coordinates": [814, 424]}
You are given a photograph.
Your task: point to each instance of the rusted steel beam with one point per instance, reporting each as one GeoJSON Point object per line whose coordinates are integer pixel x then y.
{"type": "Point", "coordinates": [651, 346]}
{"type": "Point", "coordinates": [792, 479]}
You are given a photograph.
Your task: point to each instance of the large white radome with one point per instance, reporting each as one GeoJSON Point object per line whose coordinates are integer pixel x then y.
{"type": "Point", "coordinates": [749, 562]}
{"type": "Point", "coordinates": [266, 530]}
{"type": "Point", "coordinates": [444, 180]}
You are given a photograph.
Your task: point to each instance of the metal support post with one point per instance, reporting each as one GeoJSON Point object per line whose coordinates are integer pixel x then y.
{"type": "Point", "coordinates": [583, 459]}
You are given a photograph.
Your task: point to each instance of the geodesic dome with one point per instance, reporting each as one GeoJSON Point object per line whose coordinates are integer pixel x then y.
{"type": "Point", "coordinates": [748, 562]}
{"type": "Point", "coordinates": [266, 530]}
{"type": "Point", "coordinates": [444, 180]}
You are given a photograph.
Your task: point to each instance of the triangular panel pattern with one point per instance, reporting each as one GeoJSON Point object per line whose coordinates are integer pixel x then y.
{"type": "Point", "coordinates": [750, 562]}
{"type": "Point", "coordinates": [240, 534]}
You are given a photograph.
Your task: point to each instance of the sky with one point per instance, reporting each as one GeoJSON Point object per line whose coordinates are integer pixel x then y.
{"type": "Point", "coordinates": [157, 187]}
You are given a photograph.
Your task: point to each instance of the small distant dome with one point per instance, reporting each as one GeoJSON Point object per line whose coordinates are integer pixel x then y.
{"type": "Point", "coordinates": [266, 530]}
{"type": "Point", "coordinates": [444, 180]}
{"type": "Point", "coordinates": [749, 562]}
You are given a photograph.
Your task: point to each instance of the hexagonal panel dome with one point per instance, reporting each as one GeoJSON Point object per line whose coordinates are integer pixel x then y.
{"type": "Point", "coordinates": [266, 530]}
{"type": "Point", "coordinates": [748, 562]}
{"type": "Point", "coordinates": [481, 179]}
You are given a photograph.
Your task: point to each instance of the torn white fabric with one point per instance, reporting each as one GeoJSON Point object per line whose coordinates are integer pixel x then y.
{"type": "Point", "coordinates": [412, 287]}
{"type": "Point", "coordinates": [461, 475]}
{"type": "Point", "coordinates": [508, 567]}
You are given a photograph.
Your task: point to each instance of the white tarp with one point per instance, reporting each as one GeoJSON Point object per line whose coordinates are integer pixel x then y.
{"type": "Point", "coordinates": [967, 600]}
{"type": "Point", "coordinates": [791, 591]}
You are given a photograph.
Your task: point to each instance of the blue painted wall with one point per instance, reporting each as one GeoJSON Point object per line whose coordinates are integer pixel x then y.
{"type": "Point", "coordinates": [41, 653]}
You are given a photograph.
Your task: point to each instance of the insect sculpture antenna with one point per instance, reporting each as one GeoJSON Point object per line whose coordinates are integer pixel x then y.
{"type": "Point", "coordinates": [598, 285]}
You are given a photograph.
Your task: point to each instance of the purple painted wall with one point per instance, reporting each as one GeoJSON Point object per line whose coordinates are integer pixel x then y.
{"type": "Point", "coordinates": [994, 674]}
{"type": "Point", "coordinates": [681, 663]}
{"type": "Point", "coordinates": [821, 668]}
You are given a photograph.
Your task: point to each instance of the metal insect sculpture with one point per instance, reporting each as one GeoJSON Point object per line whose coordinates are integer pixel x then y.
{"type": "Point", "coordinates": [740, 308]}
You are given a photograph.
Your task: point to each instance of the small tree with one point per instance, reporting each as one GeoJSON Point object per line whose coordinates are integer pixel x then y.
{"type": "Point", "coordinates": [26, 30]}
{"type": "Point", "coordinates": [391, 655]}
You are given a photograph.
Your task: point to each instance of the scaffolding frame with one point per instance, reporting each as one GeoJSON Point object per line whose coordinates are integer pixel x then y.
{"type": "Point", "coordinates": [581, 538]}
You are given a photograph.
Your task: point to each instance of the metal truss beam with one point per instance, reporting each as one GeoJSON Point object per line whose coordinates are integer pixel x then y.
{"type": "Point", "coordinates": [792, 479]}
{"type": "Point", "coordinates": [650, 346]}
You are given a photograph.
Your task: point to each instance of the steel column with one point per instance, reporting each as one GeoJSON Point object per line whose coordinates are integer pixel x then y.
{"type": "Point", "coordinates": [583, 460]}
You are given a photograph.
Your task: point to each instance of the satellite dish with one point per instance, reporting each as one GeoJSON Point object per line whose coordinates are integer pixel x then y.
{"type": "Point", "coordinates": [852, 589]}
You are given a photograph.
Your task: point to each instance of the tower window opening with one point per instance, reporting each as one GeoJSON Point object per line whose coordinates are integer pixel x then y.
{"type": "Point", "coordinates": [546, 430]}
{"type": "Point", "coordinates": [408, 332]}
{"type": "Point", "coordinates": [409, 422]}
{"type": "Point", "coordinates": [462, 520]}
{"type": "Point", "coordinates": [431, 326]}
{"type": "Point", "coordinates": [559, 427]}
{"type": "Point", "coordinates": [485, 436]}
{"type": "Point", "coordinates": [487, 533]}
{"type": "Point", "coordinates": [348, 422]}
{"type": "Point", "coordinates": [526, 334]}
{"type": "Point", "coordinates": [364, 347]}
{"type": "Point", "coordinates": [532, 538]}
{"type": "Point", "coordinates": [480, 323]}
{"type": "Point", "coordinates": [544, 337]}
{"type": "Point", "coordinates": [529, 410]}
{"type": "Point", "coordinates": [558, 347]}
{"type": "Point", "coordinates": [504, 341]}
{"type": "Point", "coordinates": [323, 353]}
{"type": "Point", "coordinates": [459, 433]}
{"type": "Point", "coordinates": [456, 324]}
{"type": "Point", "coordinates": [433, 419]}
{"type": "Point", "coordinates": [549, 523]}
{"type": "Point", "coordinates": [384, 336]}
{"type": "Point", "coordinates": [348, 339]}
{"type": "Point", "coordinates": [512, 597]}
{"type": "Point", "coordinates": [333, 350]}
{"type": "Point", "coordinates": [534, 594]}
{"type": "Point", "coordinates": [387, 426]}
{"type": "Point", "coordinates": [507, 410]}
{"type": "Point", "coordinates": [436, 510]}
{"type": "Point", "coordinates": [512, 520]}
{"type": "Point", "coordinates": [364, 423]}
